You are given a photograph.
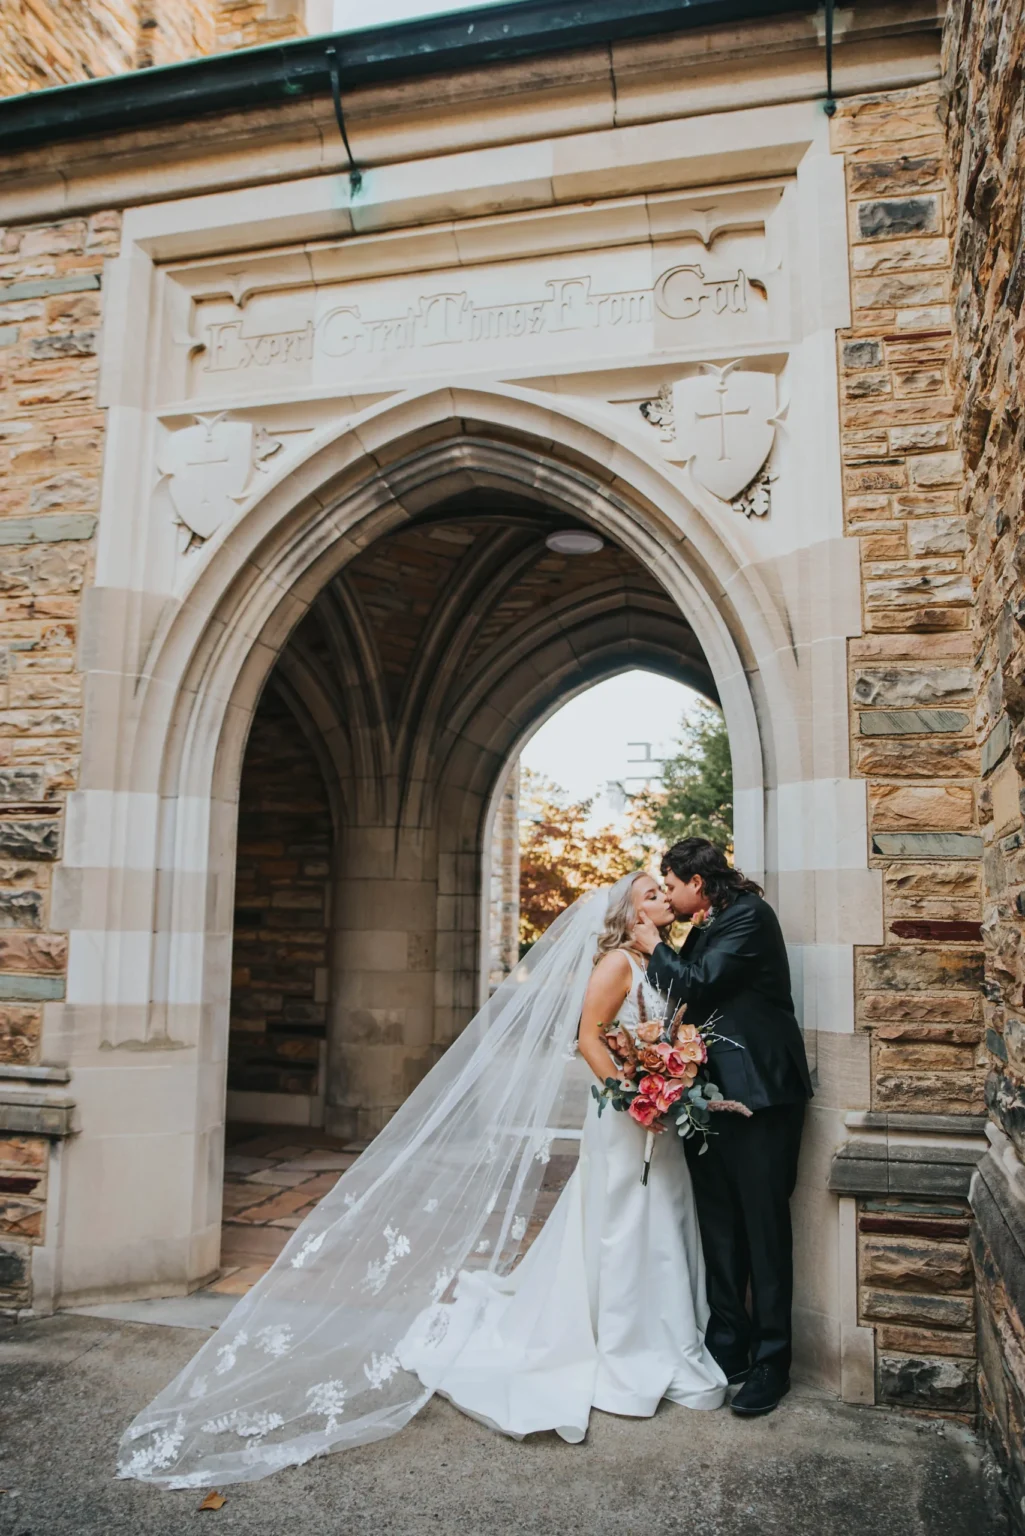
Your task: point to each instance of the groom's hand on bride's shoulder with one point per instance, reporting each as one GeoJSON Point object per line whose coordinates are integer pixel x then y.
{"type": "Point", "coordinates": [646, 935]}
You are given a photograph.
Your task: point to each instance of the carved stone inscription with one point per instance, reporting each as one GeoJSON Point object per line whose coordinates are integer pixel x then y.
{"type": "Point", "coordinates": [503, 318]}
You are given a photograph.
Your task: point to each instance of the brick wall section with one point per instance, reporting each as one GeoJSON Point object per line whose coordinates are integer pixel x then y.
{"type": "Point", "coordinates": [249, 23]}
{"type": "Point", "coordinates": [51, 446]}
{"type": "Point", "coordinates": [57, 42]}
{"type": "Point", "coordinates": [913, 736]}
{"type": "Point", "coordinates": [24, 1163]}
{"type": "Point", "coordinates": [282, 892]}
{"type": "Point", "coordinates": [170, 30]}
{"type": "Point", "coordinates": [984, 64]}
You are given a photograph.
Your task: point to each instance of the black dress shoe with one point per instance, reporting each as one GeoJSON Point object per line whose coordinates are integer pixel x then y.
{"type": "Point", "coordinates": [734, 1370]}
{"type": "Point", "coordinates": [761, 1393]}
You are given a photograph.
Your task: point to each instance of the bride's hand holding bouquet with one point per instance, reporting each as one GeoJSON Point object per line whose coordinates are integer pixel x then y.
{"type": "Point", "coordinates": [662, 1085]}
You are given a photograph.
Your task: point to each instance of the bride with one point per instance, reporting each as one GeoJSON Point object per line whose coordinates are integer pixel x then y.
{"type": "Point", "coordinates": [410, 1278]}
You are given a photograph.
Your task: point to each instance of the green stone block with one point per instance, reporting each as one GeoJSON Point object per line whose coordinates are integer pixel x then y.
{"type": "Point", "coordinates": [927, 845]}
{"type": "Point", "coordinates": [912, 722]}
{"type": "Point", "coordinates": [997, 745]}
{"type": "Point", "coordinates": [39, 288]}
{"type": "Point", "coordinates": [47, 530]}
{"type": "Point", "coordinates": [30, 989]}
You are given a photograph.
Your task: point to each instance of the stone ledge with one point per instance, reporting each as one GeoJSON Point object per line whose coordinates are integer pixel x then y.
{"type": "Point", "coordinates": [37, 1074]}
{"type": "Point", "coordinates": [34, 1111]}
{"type": "Point", "coordinates": [884, 1120]}
{"type": "Point", "coordinates": [885, 1168]}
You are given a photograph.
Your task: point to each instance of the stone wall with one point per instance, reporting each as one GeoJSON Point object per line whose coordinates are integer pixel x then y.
{"type": "Point", "coordinates": [55, 42]}
{"type": "Point", "coordinates": [51, 443]}
{"type": "Point", "coordinates": [249, 23]}
{"type": "Point", "coordinates": [279, 990]}
{"type": "Point", "coordinates": [913, 736]}
{"type": "Point", "coordinates": [985, 116]}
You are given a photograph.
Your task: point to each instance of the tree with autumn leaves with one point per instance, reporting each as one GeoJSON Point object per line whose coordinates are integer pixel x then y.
{"type": "Point", "coordinates": [560, 858]}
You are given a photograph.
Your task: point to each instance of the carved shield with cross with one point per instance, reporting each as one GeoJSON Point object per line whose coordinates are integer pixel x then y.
{"type": "Point", "coordinates": [208, 466]}
{"type": "Point", "coordinates": [725, 426]}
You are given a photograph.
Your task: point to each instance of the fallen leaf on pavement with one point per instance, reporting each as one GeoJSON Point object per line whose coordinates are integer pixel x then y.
{"type": "Point", "coordinates": [213, 1500]}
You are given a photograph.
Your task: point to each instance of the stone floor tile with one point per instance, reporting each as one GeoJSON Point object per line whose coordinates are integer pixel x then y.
{"type": "Point", "coordinates": [282, 1204]}
{"type": "Point", "coordinates": [236, 1163]}
{"type": "Point", "coordinates": [246, 1244]}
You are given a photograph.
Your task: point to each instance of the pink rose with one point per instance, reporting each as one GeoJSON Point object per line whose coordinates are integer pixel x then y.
{"type": "Point", "coordinates": [644, 1110]}
{"type": "Point", "coordinates": [663, 1091]}
{"type": "Point", "coordinates": [674, 1062]}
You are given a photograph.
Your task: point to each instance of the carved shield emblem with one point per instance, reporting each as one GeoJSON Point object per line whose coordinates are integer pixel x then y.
{"type": "Point", "coordinates": [725, 426]}
{"type": "Point", "coordinates": [208, 466]}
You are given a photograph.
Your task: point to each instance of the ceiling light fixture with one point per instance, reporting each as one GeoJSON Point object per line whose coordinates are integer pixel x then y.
{"type": "Point", "coordinates": [574, 541]}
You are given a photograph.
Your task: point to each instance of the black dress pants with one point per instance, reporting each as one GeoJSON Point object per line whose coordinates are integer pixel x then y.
{"type": "Point", "coordinates": [742, 1188]}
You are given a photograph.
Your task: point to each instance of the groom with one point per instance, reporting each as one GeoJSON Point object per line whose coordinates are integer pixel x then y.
{"type": "Point", "coordinates": [734, 964]}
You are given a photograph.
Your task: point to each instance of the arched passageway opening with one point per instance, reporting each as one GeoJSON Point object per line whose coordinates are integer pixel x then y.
{"type": "Point", "coordinates": [374, 770]}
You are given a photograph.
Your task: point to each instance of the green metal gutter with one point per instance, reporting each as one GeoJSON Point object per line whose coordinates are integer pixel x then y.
{"type": "Point", "coordinates": [270, 76]}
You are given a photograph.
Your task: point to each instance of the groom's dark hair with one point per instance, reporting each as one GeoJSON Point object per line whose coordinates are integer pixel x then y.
{"type": "Point", "coordinates": [697, 856]}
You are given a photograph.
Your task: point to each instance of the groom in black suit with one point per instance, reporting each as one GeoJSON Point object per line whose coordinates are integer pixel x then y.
{"type": "Point", "coordinates": [734, 964]}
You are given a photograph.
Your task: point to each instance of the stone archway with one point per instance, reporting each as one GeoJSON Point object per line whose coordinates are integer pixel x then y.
{"type": "Point", "coordinates": [186, 717]}
{"type": "Point", "coordinates": [412, 678]}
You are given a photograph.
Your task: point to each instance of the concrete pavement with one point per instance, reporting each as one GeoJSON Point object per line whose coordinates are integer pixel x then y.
{"type": "Point", "coordinates": [70, 1384]}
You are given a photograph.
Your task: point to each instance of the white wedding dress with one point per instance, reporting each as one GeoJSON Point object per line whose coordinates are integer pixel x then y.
{"type": "Point", "coordinates": [606, 1309]}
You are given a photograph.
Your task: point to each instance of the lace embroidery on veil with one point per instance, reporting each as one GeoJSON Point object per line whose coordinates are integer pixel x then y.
{"type": "Point", "coordinates": [306, 1362]}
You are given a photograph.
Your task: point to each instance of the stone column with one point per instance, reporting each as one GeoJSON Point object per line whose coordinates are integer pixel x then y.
{"type": "Point", "coordinates": [381, 1020]}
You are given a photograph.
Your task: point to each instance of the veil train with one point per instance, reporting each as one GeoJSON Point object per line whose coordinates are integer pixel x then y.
{"type": "Point", "coordinates": [307, 1362]}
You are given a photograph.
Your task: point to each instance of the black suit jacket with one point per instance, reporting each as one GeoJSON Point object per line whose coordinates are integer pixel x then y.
{"type": "Point", "coordinates": [737, 967]}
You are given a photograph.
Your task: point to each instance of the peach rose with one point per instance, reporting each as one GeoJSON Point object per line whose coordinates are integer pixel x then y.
{"type": "Point", "coordinates": [650, 1032]}
{"type": "Point", "coordinates": [687, 1032]}
{"type": "Point", "coordinates": [692, 1050]}
{"type": "Point", "coordinates": [650, 1057]}
{"type": "Point", "coordinates": [618, 1041]}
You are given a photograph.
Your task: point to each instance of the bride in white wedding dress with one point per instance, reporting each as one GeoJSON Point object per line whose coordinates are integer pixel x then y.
{"type": "Point", "coordinates": [607, 1309]}
{"type": "Point", "coordinates": [412, 1275]}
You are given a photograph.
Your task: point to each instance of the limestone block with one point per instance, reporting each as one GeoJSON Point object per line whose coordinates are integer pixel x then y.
{"type": "Point", "coordinates": [935, 469]}
{"type": "Point", "coordinates": [917, 1007]}
{"type": "Point", "coordinates": [903, 969]}
{"type": "Point", "coordinates": [29, 839]}
{"type": "Point", "coordinates": [1005, 789]}
{"type": "Point", "coordinates": [897, 686]}
{"type": "Point", "coordinates": [883, 217]}
{"type": "Point", "coordinates": [917, 759]}
{"type": "Point", "coordinates": [21, 909]}
{"type": "Point", "coordinates": [15, 1274]}
{"type": "Point", "coordinates": [923, 880]}
{"type": "Point", "coordinates": [942, 1092]}
{"type": "Point", "coordinates": [915, 1264]}
{"type": "Point", "coordinates": [39, 953]}
{"type": "Point", "coordinates": [20, 1033]}
{"type": "Point", "coordinates": [919, 1310]}
{"type": "Point", "coordinates": [946, 1385]}
{"type": "Point", "coordinates": [18, 785]}
{"type": "Point", "coordinates": [899, 807]}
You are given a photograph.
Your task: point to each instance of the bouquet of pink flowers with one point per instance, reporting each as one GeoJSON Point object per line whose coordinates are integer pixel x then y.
{"type": "Point", "coordinates": [667, 1084]}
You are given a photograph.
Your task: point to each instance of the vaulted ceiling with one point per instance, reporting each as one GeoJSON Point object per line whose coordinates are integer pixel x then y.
{"type": "Point", "coordinates": [456, 633]}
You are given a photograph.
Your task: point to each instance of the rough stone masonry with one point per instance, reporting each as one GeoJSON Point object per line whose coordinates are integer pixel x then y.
{"type": "Point", "coordinates": [933, 441]}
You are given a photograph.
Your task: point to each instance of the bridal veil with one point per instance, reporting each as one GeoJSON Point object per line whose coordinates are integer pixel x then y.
{"type": "Point", "coordinates": [307, 1362]}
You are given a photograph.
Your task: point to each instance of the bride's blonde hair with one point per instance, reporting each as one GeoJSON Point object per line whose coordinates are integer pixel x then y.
{"type": "Point", "coordinates": [619, 916]}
